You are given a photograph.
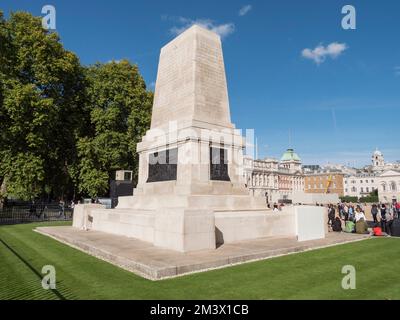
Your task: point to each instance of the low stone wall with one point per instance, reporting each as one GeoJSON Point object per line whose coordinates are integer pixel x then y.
{"type": "Point", "coordinates": [82, 218]}
{"type": "Point", "coordinates": [244, 225]}
{"type": "Point", "coordinates": [314, 198]}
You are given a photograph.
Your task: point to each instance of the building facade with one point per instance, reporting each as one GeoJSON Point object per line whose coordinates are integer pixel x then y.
{"type": "Point", "coordinates": [378, 164]}
{"type": "Point", "coordinates": [389, 186]}
{"type": "Point", "coordinates": [324, 182]}
{"type": "Point", "coordinates": [360, 185]}
{"type": "Point", "coordinates": [275, 180]}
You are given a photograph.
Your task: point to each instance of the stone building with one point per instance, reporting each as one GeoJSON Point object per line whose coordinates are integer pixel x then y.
{"type": "Point", "coordinates": [379, 165]}
{"type": "Point", "coordinates": [389, 186]}
{"type": "Point", "coordinates": [275, 180]}
{"type": "Point", "coordinates": [324, 182]}
{"type": "Point", "coordinates": [360, 185]}
{"type": "Point", "coordinates": [380, 176]}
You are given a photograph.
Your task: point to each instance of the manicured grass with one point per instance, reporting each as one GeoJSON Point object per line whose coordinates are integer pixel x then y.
{"type": "Point", "coordinates": [309, 275]}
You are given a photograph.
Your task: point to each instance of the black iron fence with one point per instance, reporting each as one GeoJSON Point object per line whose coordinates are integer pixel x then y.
{"type": "Point", "coordinates": [22, 213]}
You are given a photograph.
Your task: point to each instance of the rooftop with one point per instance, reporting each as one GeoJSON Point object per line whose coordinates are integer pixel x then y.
{"type": "Point", "coordinates": [290, 155]}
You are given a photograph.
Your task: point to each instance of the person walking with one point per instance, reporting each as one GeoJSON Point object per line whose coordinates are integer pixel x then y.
{"type": "Point", "coordinates": [374, 212]}
{"type": "Point", "coordinates": [331, 214]}
{"type": "Point", "coordinates": [61, 209]}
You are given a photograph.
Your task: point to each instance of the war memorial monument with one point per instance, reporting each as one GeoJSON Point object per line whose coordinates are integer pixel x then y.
{"type": "Point", "coordinates": [190, 196]}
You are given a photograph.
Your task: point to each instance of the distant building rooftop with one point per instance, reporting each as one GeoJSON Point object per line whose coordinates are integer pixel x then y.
{"type": "Point", "coordinates": [290, 155]}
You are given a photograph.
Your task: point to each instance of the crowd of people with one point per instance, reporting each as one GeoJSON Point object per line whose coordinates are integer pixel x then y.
{"type": "Point", "coordinates": [348, 217]}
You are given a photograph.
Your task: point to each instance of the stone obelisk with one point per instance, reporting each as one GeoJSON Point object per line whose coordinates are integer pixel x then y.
{"type": "Point", "coordinates": [190, 125]}
{"type": "Point", "coordinates": [190, 160]}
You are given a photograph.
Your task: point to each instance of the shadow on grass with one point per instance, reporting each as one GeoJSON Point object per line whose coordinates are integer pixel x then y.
{"type": "Point", "coordinates": [61, 296]}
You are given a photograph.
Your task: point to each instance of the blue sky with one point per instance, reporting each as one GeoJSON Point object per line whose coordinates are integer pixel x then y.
{"type": "Point", "coordinates": [338, 110]}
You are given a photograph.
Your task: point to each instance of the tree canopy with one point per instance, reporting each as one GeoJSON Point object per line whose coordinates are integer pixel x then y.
{"type": "Point", "coordinates": [120, 115]}
{"type": "Point", "coordinates": [64, 127]}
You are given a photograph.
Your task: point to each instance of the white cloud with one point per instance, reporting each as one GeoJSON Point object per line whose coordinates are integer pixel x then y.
{"type": "Point", "coordinates": [223, 30]}
{"type": "Point", "coordinates": [245, 10]}
{"type": "Point", "coordinates": [397, 71]}
{"type": "Point", "coordinates": [319, 53]}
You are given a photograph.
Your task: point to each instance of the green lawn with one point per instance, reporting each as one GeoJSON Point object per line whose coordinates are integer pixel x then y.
{"type": "Point", "coordinates": [309, 275]}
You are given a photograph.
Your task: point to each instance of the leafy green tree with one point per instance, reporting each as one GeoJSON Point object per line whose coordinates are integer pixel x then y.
{"type": "Point", "coordinates": [120, 115]}
{"type": "Point", "coordinates": [42, 108]}
{"type": "Point", "coordinates": [64, 128]}
{"type": "Point", "coordinates": [348, 199]}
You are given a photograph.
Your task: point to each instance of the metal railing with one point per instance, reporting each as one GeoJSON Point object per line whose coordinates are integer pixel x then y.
{"type": "Point", "coordinates": [22, 213]}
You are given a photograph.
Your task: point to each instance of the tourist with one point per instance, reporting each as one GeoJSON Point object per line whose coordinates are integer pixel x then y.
{"type": "Point", "coordinates": [337, 224]}
{"type": "Point", "coordinates": [397, 206]}
{"type": "Point", "coordinates": [361, 226]}
{"type": "Point", "coordinates": [389, 221]}
{"type": "Point", "coordinates": [383, 217]}
{"type": "Point", "coordinates": [374, 212]}
{"type": "Point", "coordinates": [340, 210]}
{"type": "Point", "coordinates": [359, 215]}
{"type": "Point", "coordinates": [331, 214]}
{"type": "Point", "coordinates": [377, 230]}
{"type": "Point", "coordinates": [276, 208]}
{"type": "Point", "coordinates": [351, 212]}
{"type": "Point", "coordinates": [346, 212]}
{"type": "Point", "coordinates": [349, 226]}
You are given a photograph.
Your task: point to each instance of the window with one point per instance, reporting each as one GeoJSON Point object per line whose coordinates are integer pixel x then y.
{"type": "Point", "coordinates": [345, 190]}
{"type": "Point", "coordinates": [354, 189]}
{"type": "Point", "coordinates": [361, 181]}
{"type": "Point", "coordinates": [393, 186]}
{"type": "Point", "coordinates": [321, 186]}
{"type": "Point", "coordinates": [372, 181]}
{"type": "Point", "coordinates": [366, 181]}
{"type": "Point", "coordinates": [362, 190]}
{"type": "Point", "coordinates": [367, 189]}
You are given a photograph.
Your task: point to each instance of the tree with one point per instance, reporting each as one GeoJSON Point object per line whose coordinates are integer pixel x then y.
{"type": "Point", "coordinates": [64, 128]}
{"type": "Point", "coordinates": [371, 198]}
{"type": "Point", "coordinates": [42, 107]}
{"type": "Point", "coordinates": [348, 199]}
{"type": "Point", "coordinates": [120, 115]}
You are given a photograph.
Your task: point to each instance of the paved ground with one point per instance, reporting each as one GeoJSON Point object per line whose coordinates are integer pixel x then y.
{"type": "Point", "coordinates": [154, 263]}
